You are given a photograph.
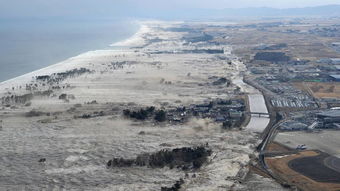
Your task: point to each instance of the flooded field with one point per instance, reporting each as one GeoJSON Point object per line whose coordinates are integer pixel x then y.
{"type": "Point", "coordinates": [62, 126]}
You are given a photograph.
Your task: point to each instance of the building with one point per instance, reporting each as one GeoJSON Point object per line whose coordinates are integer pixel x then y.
{"type": "Point", "coordinates": [334, 113]}
{"type": "Point", "coordinates": [293, 126]}
{"type": "Point", "coordinates": [335, 60]}
{"type": "Point", "coordinates": [235, 114]}
{"type": "Point", "coordinates": [327, 119]}
{"type": "Point", "coordinates": [336, 44]}
{"type": "Point", "coordinates": [220, 118]}
{"type": "Point", "coordinates": [337, 67]}
{"type": "Point", "coordinates": [335, 77]}
{"type": "Point", "coordinates": [325, 61]}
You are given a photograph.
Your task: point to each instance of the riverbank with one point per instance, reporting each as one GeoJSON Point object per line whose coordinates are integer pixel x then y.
{"type": "Point", "coordinates": [256, 103]}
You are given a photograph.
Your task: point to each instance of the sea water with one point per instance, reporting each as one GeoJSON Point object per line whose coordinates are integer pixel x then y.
{"type": "Point", "coordinates": [28, 45]}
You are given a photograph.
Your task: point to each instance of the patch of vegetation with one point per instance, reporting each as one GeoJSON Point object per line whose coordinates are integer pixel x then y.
{"type": "Point", "coordinates": [24, 99]}
{"type": "Point", "coordinates": [221, 81]}
{"type": "Point", "coordinates": [141, 114]}
{"type": "Point", "coordinates": [35, 113]}
{"type": "Point", "coordinates": [184, 158]}
{"type": "Point", "coordinates": [227, 125]}
{"type": "Point", "coordinates": [63, 96]}
{"type": "Point", "coordinates": [175, 187]}
{"type": "Point", "coordinates": [272, 56]}
{"type": "Point", "coordinates": [160, 116]}
{"type": "Point", "coordinates": [93, 102]}
{"type": "Point", "coordinates": [57, 77]}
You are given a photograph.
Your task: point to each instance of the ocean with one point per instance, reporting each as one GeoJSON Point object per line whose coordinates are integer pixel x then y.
{"type": "Point", "coordinates": [29, 45]}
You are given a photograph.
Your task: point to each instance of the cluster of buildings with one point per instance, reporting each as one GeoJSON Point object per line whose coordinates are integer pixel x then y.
{"type": "Point", "coordinates": [278, 77]}
{"type": "Point", "coordinates": [329, 119]}
{"type": "Point", "coordinates": [284, 95]}
{"type": "Point", "coordinates": [221, 111]}
{"type": "Point", "coordinates": [331, 68]}
{"type": "Point", "coordinates": [312, 120]}
{"type": "Point", "coordinates": [326, 31]}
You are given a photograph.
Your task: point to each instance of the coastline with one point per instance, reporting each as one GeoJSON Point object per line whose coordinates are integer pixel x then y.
{"type": "Point", "coordinates": [61, 66]}
{"type": "Point", "coordinates": [134, 40]}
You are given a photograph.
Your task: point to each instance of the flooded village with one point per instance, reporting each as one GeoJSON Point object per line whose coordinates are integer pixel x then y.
{"type": "Point", "coordinates": [180, 106]}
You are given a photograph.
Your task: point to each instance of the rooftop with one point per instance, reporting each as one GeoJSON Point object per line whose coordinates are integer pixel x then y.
{"type": "Point", "coordinates": [336, 76]}
{"type": "Point", "coordinates": [330, 113]}
{"type": "Point", "coordinates": [335, 60]}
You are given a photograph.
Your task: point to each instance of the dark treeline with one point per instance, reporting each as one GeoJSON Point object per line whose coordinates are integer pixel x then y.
{"type": "Point", "coordinates": [184, 158]}
{"type": "Point", "coordinates": [148, 112]}
{"type": "Point", "coordinates": [57, 77]}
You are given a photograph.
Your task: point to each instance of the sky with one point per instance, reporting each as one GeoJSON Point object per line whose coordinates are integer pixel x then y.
{"type": "Point", "coordinates": [69, 8]}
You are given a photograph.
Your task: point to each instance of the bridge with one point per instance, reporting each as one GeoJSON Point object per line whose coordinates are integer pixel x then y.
{"type": "Point", "coordinates": [260, 114]}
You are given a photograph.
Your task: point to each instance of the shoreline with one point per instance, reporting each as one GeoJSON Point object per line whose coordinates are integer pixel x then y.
{"type": "Point", "coordinates": [116, 46]}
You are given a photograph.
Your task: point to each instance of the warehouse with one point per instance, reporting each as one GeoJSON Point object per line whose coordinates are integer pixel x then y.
{"type": "Point", "coordinates": [335, 77]}
{"type": "Point", "coordinates": [328, 119]}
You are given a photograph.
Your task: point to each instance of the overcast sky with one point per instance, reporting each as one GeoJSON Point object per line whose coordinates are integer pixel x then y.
{"type": "Point", "coordinates": [45, 8]}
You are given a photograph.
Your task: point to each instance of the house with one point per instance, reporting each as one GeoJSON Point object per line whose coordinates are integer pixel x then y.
{"type": "Point", "coordinates": [235, 114]}
{"type": "Point", "coordinates": [220, 118]}
{"type": "Point", "coordinates": [293, 126]}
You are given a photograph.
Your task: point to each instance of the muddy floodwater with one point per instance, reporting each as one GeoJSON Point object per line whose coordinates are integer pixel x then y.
{"type": "Point", "coordinates": [60, 127]}
{"type": "Point", "coordinates": [257, 103]}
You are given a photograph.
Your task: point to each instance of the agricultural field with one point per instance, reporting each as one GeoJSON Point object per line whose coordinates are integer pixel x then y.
{"type": "Point", "coordinates": [321, 89]}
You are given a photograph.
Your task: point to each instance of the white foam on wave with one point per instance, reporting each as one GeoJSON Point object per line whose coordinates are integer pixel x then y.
{"type": "Point", "coordinates": [74, 170]}
{"type": "Point", "coordinates": [81, 151]}
{"type": "Point", "coordinates": [74, 158]}
{"type": "Point", "coordinates": [134, 40]}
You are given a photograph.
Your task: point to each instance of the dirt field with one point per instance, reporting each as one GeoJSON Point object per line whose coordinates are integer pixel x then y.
{"type": "Point", "coordinates": [321, 89]}
{"type": "Point", "coordinates": [280, 167]}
